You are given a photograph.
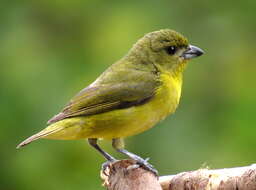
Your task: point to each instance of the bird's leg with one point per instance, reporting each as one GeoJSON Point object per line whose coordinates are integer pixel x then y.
{"type": "Point", "coordinates": [118, 144]}
{"type": "Point", "coordinates": [109, 158]}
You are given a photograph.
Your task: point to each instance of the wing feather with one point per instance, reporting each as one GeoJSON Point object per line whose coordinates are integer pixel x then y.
{"type": "Point", "coordinates": [101, 98]}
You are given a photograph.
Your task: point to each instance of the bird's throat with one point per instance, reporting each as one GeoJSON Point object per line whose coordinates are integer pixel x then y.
{"type": "Point", "coordinates": [178, 69]}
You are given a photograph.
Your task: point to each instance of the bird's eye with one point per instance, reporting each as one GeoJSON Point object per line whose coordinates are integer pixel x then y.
{"type": "Point", "coordinates": [171, 50]}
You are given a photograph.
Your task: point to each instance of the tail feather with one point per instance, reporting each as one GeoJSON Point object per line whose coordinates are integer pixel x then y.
{"type": "Point", "coordinates": [37, 136]}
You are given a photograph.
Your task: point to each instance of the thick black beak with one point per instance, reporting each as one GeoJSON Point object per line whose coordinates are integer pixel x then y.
{"type": "Point", "coordinates": [192, 52]}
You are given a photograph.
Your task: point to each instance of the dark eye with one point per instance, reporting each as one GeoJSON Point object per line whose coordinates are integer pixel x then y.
{"type": "Point", "coordinates": [171, 50]}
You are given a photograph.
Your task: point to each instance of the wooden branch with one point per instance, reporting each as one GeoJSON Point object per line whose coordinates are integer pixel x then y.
{"type": "Point", "coordinates": [241, 178]}
{"type": "Point", "coordinates": [125, 175]}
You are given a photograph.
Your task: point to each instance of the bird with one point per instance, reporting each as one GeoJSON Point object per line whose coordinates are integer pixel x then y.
{"type": "Point", "coordinates": [131, 96]}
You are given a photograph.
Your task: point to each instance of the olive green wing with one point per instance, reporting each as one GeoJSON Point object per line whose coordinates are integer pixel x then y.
{"type": "Point", "coordinates": [102, 98]}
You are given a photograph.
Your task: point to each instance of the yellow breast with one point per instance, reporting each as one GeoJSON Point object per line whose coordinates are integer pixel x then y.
{"type": "Point", "coordinates": [168, 95]}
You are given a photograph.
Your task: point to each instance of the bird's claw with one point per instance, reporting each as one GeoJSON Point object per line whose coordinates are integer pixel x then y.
{"type": "Point", "coordinates": [139, 162]}
{"type": "Point", "coordinates": [144, 163]}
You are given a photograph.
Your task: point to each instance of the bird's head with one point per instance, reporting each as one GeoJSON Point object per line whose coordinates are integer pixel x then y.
{"type": "Point", "coordinates": [166, 48]}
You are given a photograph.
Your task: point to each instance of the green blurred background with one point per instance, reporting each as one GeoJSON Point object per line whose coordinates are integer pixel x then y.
{"type": "Point", "coordinates": [49, 50]}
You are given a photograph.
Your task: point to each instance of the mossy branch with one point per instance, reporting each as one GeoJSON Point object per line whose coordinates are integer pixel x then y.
{"type": "Point", "coordinates": [122, 175]}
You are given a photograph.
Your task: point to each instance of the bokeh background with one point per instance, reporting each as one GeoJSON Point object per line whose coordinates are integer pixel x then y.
{"type": "Point", "coordinates": [49, 50]}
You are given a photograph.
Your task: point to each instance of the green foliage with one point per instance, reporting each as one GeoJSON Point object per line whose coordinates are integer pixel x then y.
{"type": "Point", "coordinates": [49, 50]}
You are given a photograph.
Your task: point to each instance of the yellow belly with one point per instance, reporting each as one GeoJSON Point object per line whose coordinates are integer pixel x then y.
{"type": "Point", "coordinates": [124, 122]}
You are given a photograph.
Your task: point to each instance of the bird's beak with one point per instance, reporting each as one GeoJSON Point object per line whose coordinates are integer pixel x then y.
{"type": "Point", "coordinates": [191, 52]}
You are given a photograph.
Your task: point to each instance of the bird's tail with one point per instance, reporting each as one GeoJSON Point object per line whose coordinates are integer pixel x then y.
{"type": "Point", "coordinates": [39, 135]}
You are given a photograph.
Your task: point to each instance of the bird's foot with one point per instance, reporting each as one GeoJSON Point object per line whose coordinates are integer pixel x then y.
{"type": "Point", "coordinates": [144, 163]}
{"type": "Point", "coordinates": [106, 164]}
